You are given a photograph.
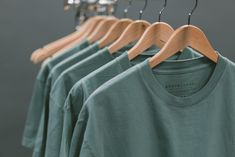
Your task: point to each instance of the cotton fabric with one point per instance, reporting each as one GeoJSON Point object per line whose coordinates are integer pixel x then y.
{"type": "Point", "coordinates": [179, 108]}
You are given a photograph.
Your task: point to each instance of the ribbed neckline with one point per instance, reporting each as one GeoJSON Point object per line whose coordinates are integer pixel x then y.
{"type": "Point", "coordinates": [181, 66]}
{"type": "Point", "coordinates": [125, 63]}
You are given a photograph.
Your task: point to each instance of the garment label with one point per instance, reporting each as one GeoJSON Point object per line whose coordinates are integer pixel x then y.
{"type": "Point", "coordinates": [182, 88]}
{"type": "Point", "coordinates": [180, 85]}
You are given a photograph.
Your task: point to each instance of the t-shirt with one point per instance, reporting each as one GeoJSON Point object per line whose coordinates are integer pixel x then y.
{"type": "Point", "coordinates": [53, 75]}
{"type": "Point", "coordinates": [83, 88]}
{"type": "Point", "coordinates": [60, 91]}
{"type": "Point", "coordinates": [68, 62]}
{"type": "Point", "coordinates": [35, 107]}
{"type": "Point", "coordinates": [178, 109]}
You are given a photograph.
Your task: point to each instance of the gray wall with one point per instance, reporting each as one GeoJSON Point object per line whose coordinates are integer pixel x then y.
{"type": "Point", "coordinates": [28, 24]}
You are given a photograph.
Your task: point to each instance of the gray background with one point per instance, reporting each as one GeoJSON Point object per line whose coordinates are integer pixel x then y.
{"type": "Point", "coordinates": [26, 25]}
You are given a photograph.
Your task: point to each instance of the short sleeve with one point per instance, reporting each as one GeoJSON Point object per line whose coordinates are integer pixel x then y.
{"type": "Point", "coordinates": [78, 133]}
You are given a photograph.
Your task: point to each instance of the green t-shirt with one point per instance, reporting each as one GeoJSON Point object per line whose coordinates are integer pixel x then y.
{"type": "Point", "coordinates": [35, 107]}
{"type": "Point", "coordinates": [82, 90]}
{"type": "Point", "coordinates": [179, 108]}
{"type": "Point", "coordinates": [68, 62]}
{"type": "Point", "coordinates": [60, 91]}
{"type": "Point", "coordinates": [53, 75]}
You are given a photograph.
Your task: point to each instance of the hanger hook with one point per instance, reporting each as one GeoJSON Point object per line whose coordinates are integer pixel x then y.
{"type": "Point", "coordinates": [160, 13]}
{"type": "Point", "coordinates": [142, 10]}
{"type": "Point", "coordinates": [127, 8]}
{"type": "Point", "coordinates": [190, 14]}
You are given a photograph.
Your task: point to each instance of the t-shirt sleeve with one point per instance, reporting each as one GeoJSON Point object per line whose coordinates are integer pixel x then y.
{"type": "Point", "coordinates": [35, 107]}
{"type": "Point", "coordinates": [33, 115]}
{"type": "Point", "coordinates": [55, 122]}
{"type": "Point", "coordinates": [78, 133]}
{"type": "Point", "coordinates": [68, 126]}
{"type": "Point", "coordinates": [40, 141]}
{"type": "Point", "coordinates": [72, 108]}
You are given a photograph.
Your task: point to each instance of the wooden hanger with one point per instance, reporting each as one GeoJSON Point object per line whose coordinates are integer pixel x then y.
{"type": "Point", "coordinates": [58, 44]}
{"type": "Point", "coordinates": [132, 33]}
{"type": "Point", "coordinates": [156, 34]}
{"type": "Point", "coordinates": [101, 29]}
{"type": "Point", "coordinates": [117, 29]}
{"type": "Point", "coordinates": [74, 43]}
{"type": "Point", "coordinates": [92, 28]}
{"type": "Point", "coordinates": [50, 50]}
{"type": "Point", "coordinates": [114, 32]}
{"type": "Point", "coordinates": [185, 36]}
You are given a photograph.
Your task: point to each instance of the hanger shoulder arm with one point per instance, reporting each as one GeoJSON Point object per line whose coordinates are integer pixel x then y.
{"type": "Point", "coordinates": [157, 34]}
{"type": "Point", "coordinates": [185, 36]}
{"type": "Point", "coordinates": [198, 41]}
{"type": "Point", "coordinates": [133, 32]}
{"type": "Point", "coordinates": [101, 30]}
{"type": "Point", "coordinates": [176, 43]}
{"type": "Point", "coordinates": [114, 32]}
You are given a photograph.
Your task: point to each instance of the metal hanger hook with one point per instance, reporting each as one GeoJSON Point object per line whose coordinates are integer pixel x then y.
{"type": "Point", "coordinates": [191, 13]}
{"type": "Point", "coordinates": [161, 11]}
{"type": "Point", "coordinates": [127, 8]}
{"type": "Point", "coordinates": [142, 10]}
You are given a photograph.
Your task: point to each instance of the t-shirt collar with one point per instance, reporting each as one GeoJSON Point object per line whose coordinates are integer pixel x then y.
{"type": "Point", "coordinates": [149, 79]}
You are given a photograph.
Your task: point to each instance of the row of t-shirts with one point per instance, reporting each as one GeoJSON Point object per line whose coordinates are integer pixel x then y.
{"type": "Point", "coordinates": [88, 102]}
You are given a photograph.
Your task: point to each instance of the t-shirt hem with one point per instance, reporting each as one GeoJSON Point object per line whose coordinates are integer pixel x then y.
{"type": "Point", "coordinates": [27, 142]}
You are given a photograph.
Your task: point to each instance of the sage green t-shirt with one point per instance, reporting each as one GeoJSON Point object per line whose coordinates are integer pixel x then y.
{"type": "Point", "coordinates": [178, 109]}
{"type": "Point", "coordinates": [60, 91]}
{"type": "Point", "coordinates": [40, 143]}
{"type": "Point", "coordinates": [83, 88]}
{"type": "Point", "coordinates": [68, 62]}
{"type": "Point", "coordinates": [36, 103]}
